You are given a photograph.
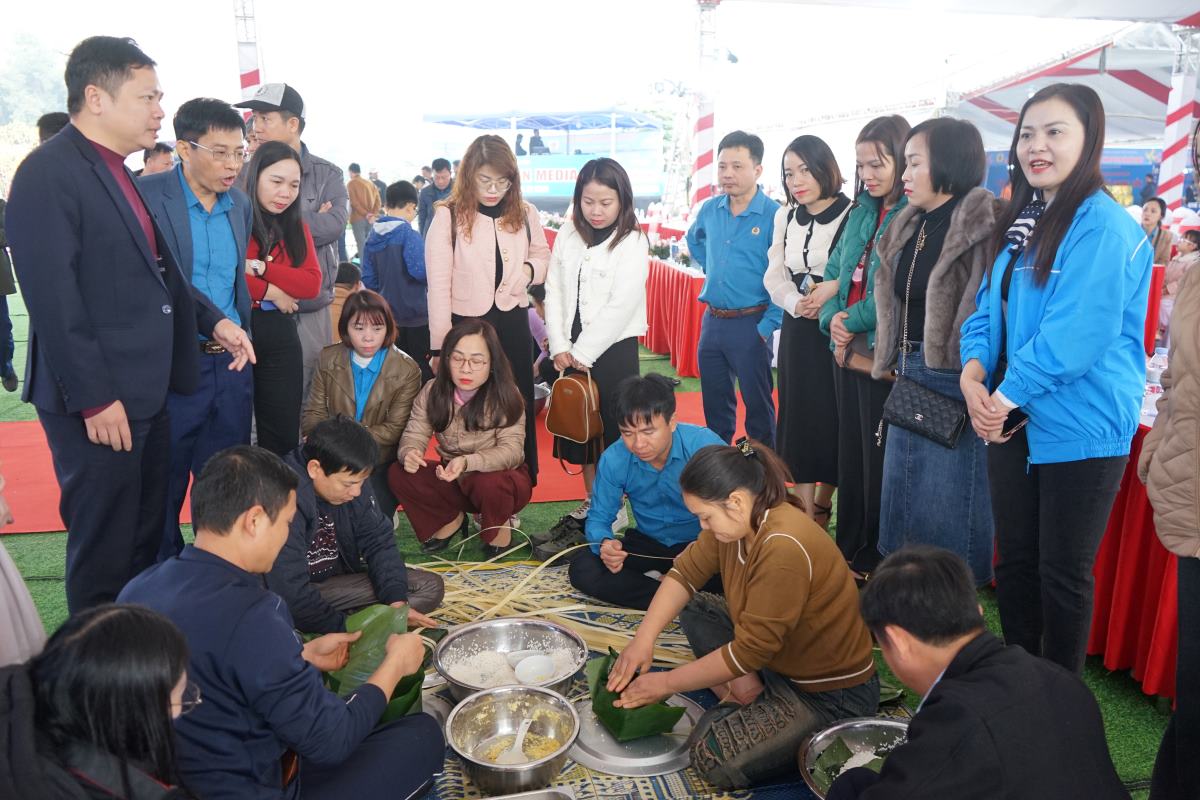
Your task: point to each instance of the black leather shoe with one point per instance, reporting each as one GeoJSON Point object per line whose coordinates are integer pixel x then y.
{"type": "Point", "coordinates": [490, 551]}
{"type": "Point", "coordinates": [431, 546]}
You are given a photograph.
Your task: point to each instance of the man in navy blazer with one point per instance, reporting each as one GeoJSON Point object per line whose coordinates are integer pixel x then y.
{"type": "Point", "coordinates": [112, 322]}
{"type": "Point", "coordinates": [206, 223]}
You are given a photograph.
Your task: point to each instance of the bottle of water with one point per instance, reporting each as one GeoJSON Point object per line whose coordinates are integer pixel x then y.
{"type": "Point", "coordinates": [1156, 365]}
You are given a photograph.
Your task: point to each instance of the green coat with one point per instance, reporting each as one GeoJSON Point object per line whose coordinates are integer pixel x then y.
{"type": "Point", "coordinates": [844, 258]}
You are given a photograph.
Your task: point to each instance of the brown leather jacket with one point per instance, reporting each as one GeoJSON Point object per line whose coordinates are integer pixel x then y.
{"type": "Point", "coordinates": [388, 404]}
{"type": "Point", "coordinates": [1170, 460]}
{"type": "Point", "coordinates": [492, 450]}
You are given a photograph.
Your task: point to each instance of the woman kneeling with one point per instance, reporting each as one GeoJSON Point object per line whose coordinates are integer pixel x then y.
{"type": "Point", "coordinates": [785, 650]}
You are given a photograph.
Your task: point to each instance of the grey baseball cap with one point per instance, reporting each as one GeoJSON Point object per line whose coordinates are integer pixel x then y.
{"type": "Point", "coordinates": [275, 97]}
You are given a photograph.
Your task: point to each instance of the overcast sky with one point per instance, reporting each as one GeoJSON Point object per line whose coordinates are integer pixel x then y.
{"type": "Point", "coordinates": [369, 71]}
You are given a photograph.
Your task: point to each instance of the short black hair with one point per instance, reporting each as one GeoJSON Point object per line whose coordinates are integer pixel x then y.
{"type": "Point", "coordinates": [198, 116]}
{"type": "Point", "coordinates": [820, 162]}
{"type": "Point", "coordinates": [104, 61]}
{"type": "Point", "coordinates": [538, 292]}
{"type": "Point", "coordinates": [354, 167]}
{"type": "Point", "coordinates": [400, 194]}
{"type": "Point", "coordinates": [159, 147]}
{"type": "Point", "coordinates": [1192, 236]}
{"type": "Point", "coordinates": [340, 444]}
{"type": "Point", "coordinates": [925, 590]}
{"type": "Point", "coordinates": [957, 162]}
{"type": "Point", "coordinates": [746, 140]}
{"type": "Point", "coordinates": [418, 180]}
{"type": "Point", "coordinates": [440, 165]}
{"type": "Point", "coordinates": [348, 274]}
{"type": "Point", "coordinates": [642, 397]}
{"type": "Point", "coordinates": [51, 123]}
{"type": "Point", "coordinates": [234, 481]}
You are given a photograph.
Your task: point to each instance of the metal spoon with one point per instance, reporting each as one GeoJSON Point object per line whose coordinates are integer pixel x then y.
{"type": "Point", "coordinates": [515, 754]}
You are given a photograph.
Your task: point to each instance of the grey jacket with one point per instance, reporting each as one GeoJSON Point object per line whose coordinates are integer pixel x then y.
{"type": "Point", "coordinates": [321, 182]}
{"type": "Point", "coordinates": [955, 279]}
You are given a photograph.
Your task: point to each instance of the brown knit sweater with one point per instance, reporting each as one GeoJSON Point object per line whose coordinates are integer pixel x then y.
{"type": "Point", "coordinates": [792, 600]}
{"type": "Point", "coordinates": [364, 198]}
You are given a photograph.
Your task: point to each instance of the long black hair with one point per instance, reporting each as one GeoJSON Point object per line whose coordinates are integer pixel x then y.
{"type": "Point", "coordinates": [496, 404]}
{"type": "Point", "coordinates": [717, 471]}
{"type": "Point", "coordinates": [270, 228]}
{"type": "Point", "coordinates": [105, 680]}
{"type": "Point", "coordinates": [1084, 181]}
{"type": "Point", "coordinates": [606, 172]}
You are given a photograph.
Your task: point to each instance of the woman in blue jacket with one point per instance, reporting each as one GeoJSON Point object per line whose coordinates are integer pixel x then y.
{"type": "Point", "coordinates": [1057, 336]}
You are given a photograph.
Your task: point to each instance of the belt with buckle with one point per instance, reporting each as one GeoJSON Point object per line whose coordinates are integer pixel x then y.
{"type": "Point", "coordinates": [909, 347]}
{"type": "Point", "coordinates": [731, 313]}
{"type": "Point", "coordinates": [211, 348]}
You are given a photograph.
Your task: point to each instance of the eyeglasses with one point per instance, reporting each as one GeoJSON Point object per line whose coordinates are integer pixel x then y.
{"type": "Point", "coordinates": [190, 699]}
{"type": "Point", "coordinates": [499, 184]}
{"type": "Point", "coordinates": [476, 362]}
{"type": "Point", "coordinates": [222, 156]}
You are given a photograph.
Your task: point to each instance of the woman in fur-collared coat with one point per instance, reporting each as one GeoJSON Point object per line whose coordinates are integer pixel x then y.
{"type": "Point", "coordinates": [932, 260]}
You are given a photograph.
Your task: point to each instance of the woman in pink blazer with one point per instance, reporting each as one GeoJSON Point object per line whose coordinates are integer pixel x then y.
{"type": "Point", "coordinates": [484, 248]}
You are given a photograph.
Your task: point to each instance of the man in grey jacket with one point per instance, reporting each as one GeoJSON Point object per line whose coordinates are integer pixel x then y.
{"type": "Point", "coordinates": [279, 117]}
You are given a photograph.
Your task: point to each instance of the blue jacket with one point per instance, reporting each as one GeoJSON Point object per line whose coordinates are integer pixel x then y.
{"type": "Point", "coordinates": [1076, 363]}
{"type": "Point", "coordinates": [260, 697]}
{"type": "Point", "coordinates": [425, 200]}
{"type": "Point", "coordinates": [106, 322]}
{"type": "Point", "coordinates": [393, 264]}
{"type": "Point", "coordinates": [167, 204]}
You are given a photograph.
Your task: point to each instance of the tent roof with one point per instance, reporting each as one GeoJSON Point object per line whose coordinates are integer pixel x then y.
{"type": "Point", "coordinates": [1182, 12]}
{"type": "Point", "coordinates": [549, 121]}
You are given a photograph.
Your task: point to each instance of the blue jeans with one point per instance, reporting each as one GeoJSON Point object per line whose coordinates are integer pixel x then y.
{"type": "Point", "coordinates": [217, 416]}
{"type": "Point", "coordinates": [8, 347]}
{"type": "Point", "coordinates": [732, 348]}
{"type": "Point", "coordinates": [935, 495]}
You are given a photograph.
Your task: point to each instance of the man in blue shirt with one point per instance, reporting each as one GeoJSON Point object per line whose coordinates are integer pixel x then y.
{"type": "Point", "coordinates": [438, 189]}
{"type": "Point", "coordinates": [643, 464]}
{"type": "Point", "coordinates": [729, 240]}
{"type": "Point", "coordinates": [206, 223]}
{"type": "Point", "coordinates": [262, 701]}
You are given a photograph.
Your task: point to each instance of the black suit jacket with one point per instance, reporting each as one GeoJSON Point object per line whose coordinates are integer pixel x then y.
{"type": "Point", "coordinates": [1002, 725]}
{"type": "Point", "coordinates": [106, 322]}
{"type": "Point", "coordinates": [168, 205]}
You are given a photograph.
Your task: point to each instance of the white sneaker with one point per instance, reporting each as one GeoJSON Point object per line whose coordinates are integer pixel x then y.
{"type": "Point", "coordinates": [581, 512]}
{"type": "Point", "coordinates": [622, 520]}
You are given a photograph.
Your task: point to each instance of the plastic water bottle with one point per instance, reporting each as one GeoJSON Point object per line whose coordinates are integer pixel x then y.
{"type": "Point", "coordinates": [1156, 365]}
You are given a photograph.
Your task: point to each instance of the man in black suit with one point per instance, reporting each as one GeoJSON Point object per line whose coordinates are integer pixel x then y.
{"type": "Point", "coordinates": [206, 222]}
{"type": "Point", "coordinates": [994, 721]}
{"type": "Point", "coordinates": [113, 325]}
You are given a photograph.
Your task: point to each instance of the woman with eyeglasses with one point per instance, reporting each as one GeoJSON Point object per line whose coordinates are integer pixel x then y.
{"type": "Point", "coordinates": [281, 270]}
{"type": "Point", "coordinates": [483, 250]}
{"type": "Point", "coordinates": [91, 716]}
{"type": "Point", "coordinates": [473, 409]}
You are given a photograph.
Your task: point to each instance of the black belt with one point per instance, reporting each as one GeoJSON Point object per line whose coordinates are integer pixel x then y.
{"type": "Point", "coordinates": [730, 313]}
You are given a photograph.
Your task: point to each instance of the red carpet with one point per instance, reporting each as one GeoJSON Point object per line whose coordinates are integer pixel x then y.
{"type": "Point", "coordinates": [33, 492]}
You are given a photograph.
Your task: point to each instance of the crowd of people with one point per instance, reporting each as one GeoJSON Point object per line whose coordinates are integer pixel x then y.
{"type": "Point", "coordinates": [967, 375]}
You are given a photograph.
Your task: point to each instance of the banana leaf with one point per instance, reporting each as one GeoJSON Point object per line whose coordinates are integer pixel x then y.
{"type": "Point", "coordinates": [377, 623]}
{"type": "Point", "coordinates": [625, 724]}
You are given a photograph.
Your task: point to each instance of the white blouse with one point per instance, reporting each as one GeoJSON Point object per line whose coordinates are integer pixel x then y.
{"type": "Point", "coordinates": [787, 256]}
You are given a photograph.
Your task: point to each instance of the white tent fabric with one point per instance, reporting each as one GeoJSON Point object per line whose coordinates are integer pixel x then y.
{"type": "Point", "coordinates": [1182, 12]}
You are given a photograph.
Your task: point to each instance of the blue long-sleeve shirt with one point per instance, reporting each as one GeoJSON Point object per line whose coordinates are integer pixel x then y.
{"type": "Point", "coordinates": [654, 494]}
{"type": "Point", "coordinates": [260, 697]}
{"type": "Point", "coordinates": [732, 251]}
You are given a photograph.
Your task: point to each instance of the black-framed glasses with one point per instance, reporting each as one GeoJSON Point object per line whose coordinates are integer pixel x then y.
{"type": "Point", "coordinates": [191, 698]}
{"type": "Point", "coordinates": [222, 156]}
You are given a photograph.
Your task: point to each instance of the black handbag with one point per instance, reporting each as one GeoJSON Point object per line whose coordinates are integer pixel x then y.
{"type": "Point", "coordinates": [938, 417]}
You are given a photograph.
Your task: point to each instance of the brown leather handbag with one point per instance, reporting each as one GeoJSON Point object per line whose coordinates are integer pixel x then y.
{"type": "Point", "coordinates": [859, 358]}
{"type": "Point", "coordinates": [573, 409]}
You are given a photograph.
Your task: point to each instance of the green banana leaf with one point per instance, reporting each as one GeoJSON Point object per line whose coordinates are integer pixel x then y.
{"type": "Point", "coordinates": [377, 623]}
{"type": "Point", "coordinates": [625, 723]}
{"type": "Point", "coordinates": [832, 761]}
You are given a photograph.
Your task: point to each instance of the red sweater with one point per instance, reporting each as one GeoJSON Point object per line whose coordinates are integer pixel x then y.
{"type": "Point", "coordinates": [302, 281]}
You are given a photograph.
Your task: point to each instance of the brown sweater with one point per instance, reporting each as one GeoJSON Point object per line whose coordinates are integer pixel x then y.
{"type": "Point", "coordinates": [492, 450]}
{"type": "Point", "coordinates": [792, 600]}
{"type": "Point", "coordinates": [364, 198]}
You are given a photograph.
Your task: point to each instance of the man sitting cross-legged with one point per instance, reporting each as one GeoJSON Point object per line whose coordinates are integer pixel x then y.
{"type": "Point", "coordinates": [320, 573]}
{"type": "Point", "coordinates": [643, 464]}
{"type": "Point", "coordinates": [258, 696]}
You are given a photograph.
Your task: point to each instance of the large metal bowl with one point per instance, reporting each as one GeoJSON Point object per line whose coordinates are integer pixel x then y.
{"type": "Point", "coordinates": [498, 712]}
{"type": "Point", "coordinates": [859, 732]}
{"type": "Point", "coordinates": [506, 635]}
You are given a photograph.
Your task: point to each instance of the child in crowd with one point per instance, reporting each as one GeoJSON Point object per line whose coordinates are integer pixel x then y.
{"type": "Point", "coordinates": [543, 365]}
{"type": "Point", "coordinates": [1189, 254]}
{"type": "Point", "coordinates": [348, 281]}
{"type": "Point", "coordinates": [367, 379]}
{"type": "Point", "coordinates": [394, 265]}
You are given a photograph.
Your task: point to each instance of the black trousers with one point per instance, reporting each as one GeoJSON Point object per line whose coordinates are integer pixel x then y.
{"type": "Point", "coordinates": [1176, 770]}
{"type": "Point", "coordinates": [1050, 519]}
{"type": "Point", "coordinates": [860, 402]}
{"type": "Point", "coordinates": [113, 504]}
{"type": "Point", "coordinates": [629, 588]}
{"type": "Point", "coordinates": [278, 380]}
{"type": "Point", "coordinates": [414, 341]}
{"type": "Point", "coordinates": [397, 760]}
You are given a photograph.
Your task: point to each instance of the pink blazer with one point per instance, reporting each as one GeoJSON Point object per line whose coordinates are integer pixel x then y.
{"type": "Point", "coordinates": [461, 277]}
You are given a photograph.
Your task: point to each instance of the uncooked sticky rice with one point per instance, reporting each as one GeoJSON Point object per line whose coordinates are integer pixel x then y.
{"type": "Point", "coordinates": [489, 668]}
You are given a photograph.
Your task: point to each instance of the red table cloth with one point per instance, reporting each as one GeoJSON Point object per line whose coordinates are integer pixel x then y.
{"type": "Point", "coordinates": [1155, 301]}
{"type": "Point", "coordinates": [674, 314]}
{"type": "Point", "coordinates": [1136, 610]}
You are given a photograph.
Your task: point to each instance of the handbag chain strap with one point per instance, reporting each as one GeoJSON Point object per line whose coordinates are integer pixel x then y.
{"type": "Point", "coordinates": [912, 268]}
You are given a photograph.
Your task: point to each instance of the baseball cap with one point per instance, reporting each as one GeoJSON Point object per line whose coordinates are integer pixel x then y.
{"type": "Point", "coordinates": [275, 97]}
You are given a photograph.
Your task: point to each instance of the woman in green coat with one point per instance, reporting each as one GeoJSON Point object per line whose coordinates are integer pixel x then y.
{"type": "Point", "coordinates": [849, 319]}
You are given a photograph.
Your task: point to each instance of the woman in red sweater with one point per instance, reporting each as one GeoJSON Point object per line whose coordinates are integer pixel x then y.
{"type": "Point", "coordinates": [281, 269]}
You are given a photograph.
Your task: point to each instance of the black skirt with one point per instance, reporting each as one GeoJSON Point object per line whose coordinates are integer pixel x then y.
{"type": "Point", "coordinates": [806, 434]}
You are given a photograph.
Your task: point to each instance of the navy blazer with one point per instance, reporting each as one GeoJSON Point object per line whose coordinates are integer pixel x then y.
{"type": "Point", "coordinates": [106, 322]}
{"type": "Point", "coordinates": [168, 205]}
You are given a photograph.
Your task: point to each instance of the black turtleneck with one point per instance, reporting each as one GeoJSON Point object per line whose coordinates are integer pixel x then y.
{"type": "Point", "coordinates": [937, 223]}
{"type": "Point", "coordinates": [495, 212]}
{"type": "Point", "coordinates": [599, 237]}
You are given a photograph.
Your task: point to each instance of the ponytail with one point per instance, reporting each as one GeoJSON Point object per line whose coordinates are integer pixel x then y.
{"type": "Point", "coordinates": [717, 471]}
